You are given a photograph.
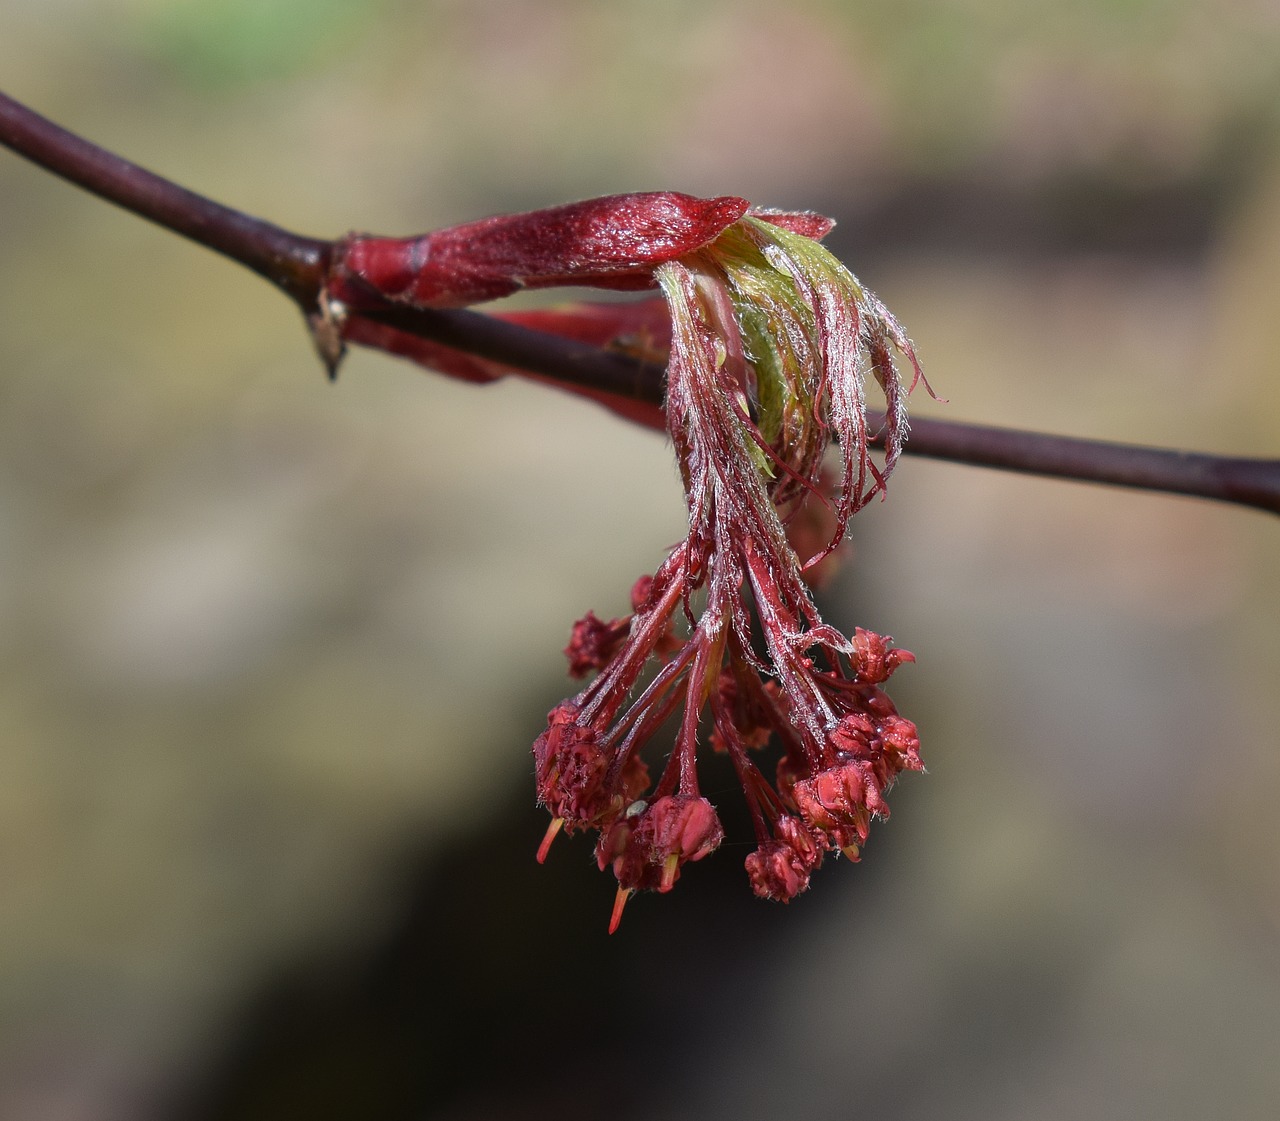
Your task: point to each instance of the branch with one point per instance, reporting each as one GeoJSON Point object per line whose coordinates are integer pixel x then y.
{"type": "Point", "coordinates": [1227, 478]}
{"type": "Point", "coordinates": [292, 263]}
{"type": "Point", "coordinates": [563, 360]}
{"type": "Point", "coordinates": [297, 265]}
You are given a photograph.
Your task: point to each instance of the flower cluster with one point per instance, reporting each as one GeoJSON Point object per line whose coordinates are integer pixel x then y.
{"type": "Point", "coordinates": [770, 343]}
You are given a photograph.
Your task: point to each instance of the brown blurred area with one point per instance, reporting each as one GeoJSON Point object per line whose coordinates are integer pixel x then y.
{"type": "Point", "coordinates": [272, 651]}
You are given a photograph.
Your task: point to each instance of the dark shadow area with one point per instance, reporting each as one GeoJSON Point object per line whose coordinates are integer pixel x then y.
{"type": "Point", "coordinates": [1176, 220]}
{"type": "Point", "coordinates": [498, 993]}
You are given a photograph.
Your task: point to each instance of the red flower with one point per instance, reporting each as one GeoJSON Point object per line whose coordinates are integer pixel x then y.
{"type": "Point", "coordinates": [648, 844]}
{"type": "Point", "coordinates": [770, 341]}
{"type": "Point", "coordinates": [780, 868]}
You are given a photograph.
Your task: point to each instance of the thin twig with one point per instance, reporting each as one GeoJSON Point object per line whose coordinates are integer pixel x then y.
{"type": "Point", "coordinates": [297, 265]}
{"type": "Point", "coordinates": [1248, 482]}
{"type": "Point", "coordinates": [293, 263]}
{"type": "Point", "coordinates": [567, 361]}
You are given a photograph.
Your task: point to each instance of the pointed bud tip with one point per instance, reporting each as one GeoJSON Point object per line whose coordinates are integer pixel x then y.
{"type": "Point", "coordinates": [725, 209]}
{"type": "Point", "coordinates": [803, 222]}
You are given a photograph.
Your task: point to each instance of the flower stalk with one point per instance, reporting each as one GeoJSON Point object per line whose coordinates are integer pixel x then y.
{"type": "Point", "coordinates": [769, 344]}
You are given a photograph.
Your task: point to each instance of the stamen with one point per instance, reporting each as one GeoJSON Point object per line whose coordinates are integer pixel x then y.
{"type": "Point", "coordinates": [619, 901]}
{"type": "Point", "coordinates": [548, 837]}
{"type": "Point", "coordinates": [670, 869]}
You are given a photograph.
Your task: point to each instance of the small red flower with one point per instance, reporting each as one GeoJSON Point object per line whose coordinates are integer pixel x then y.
{"type": "Point", "coordinates": [593, 643]}
{"type": "Point", "coordinates": [780, 868]}
{"type": "Point", "coordinates": [648, 844]}
{"type": "Point", "coordinates": [769, 343]}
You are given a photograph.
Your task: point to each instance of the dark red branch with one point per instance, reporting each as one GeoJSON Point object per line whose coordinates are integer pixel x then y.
{"type": "Point", "coordinates": [1249, 482]}
{"type": "Point", "coordinates": [297, 265]}
{"type": "Point", "coordinates": [294, 264]}
{"type": "Point", "coordinates": [552, 356]}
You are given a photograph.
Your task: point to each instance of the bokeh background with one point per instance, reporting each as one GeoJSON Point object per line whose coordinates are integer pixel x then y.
{"type": "Point", "coordinates": [272, 651]}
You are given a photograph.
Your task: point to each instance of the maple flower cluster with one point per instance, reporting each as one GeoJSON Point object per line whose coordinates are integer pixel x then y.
{"type": "Point", "coordinates": [770, 342]}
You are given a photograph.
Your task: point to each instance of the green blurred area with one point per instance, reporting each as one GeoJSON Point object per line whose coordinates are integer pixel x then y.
{"type": "Point", "coordinates": [239, 42]}
{"type": "Point", "coordinates": [259, 634]}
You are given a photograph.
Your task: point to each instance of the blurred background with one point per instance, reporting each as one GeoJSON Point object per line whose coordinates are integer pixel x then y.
{"type": "Point", "coordinates": [272, 651]}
